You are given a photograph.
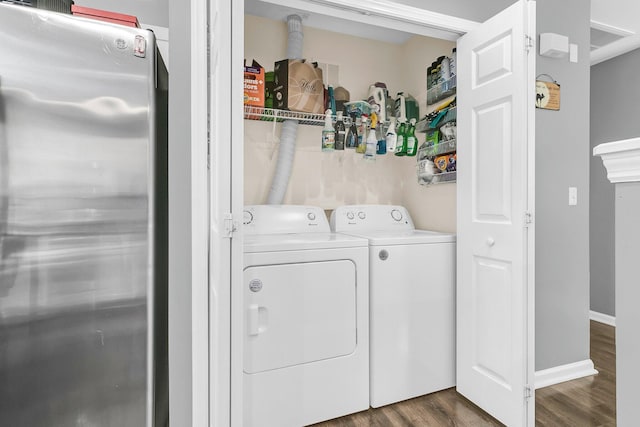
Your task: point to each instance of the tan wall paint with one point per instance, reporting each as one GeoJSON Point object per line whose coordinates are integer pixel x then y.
{"type": "Point", "coordinates": [329, 180]}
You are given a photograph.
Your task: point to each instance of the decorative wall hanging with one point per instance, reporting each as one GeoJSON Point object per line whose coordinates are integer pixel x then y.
{"type": "Point", "coordinates": [547, 93]}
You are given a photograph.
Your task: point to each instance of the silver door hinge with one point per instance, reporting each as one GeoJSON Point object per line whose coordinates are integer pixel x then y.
{"type": "Point", "coordinates": [528, 43]}
{"type": "Point", "coordinates": [528, 392]}
{"type": "Point", "coordinates": [528, 219]}
{"type": "Point", "coordinates": [230, 226]}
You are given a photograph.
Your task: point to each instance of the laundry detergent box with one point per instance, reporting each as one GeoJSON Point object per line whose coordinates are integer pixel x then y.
{"type": "Point", "coordinates": [254, 85]}
{"type": "Point", "coordinates": [298, 86]}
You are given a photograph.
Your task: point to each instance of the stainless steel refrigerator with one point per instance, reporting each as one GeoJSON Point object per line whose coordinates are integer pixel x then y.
{"type": "Point", "coordinates": [83, 223]}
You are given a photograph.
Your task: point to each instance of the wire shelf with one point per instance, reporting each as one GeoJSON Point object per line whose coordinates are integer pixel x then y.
{"type": "Point", "coordinates": [425, 124]}
{"type": "Point", "coordinates": [272, 114]}
{"type": "Point", "coordinates": [442, 90]}
{"type": "Point", "coordinates": [435, 178]}
{"type": "Point", "coordinates": [444, 147]}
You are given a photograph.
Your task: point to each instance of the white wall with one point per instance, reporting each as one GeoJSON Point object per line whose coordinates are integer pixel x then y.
{"type": "Point", "coordinates": [329, 180]}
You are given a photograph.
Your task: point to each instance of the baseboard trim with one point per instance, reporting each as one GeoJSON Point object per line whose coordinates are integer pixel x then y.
{"type": "Point", "coordinates": [602, 318]}
{"type": "Point", "coordinates": [562, 373]}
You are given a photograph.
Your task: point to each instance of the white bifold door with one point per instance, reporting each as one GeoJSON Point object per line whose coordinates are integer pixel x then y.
{"type": "Point", "coordinates": [495, 298]}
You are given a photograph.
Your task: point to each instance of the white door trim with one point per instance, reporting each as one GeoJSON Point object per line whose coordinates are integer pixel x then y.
{"type": "Point", "coordinates": [236, 141]}
{"type": "Point", "coordinates": [218, 155]}
{"type": "Point", "coordinates": [199, 214]}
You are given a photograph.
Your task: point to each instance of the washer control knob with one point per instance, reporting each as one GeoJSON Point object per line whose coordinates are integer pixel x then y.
{"type": "Point", "coordinates": [350, 215]}
{"type": "Point", "coordinates": [247, 218]}
{"type": "Point", "coordinates": [311, 216]}
{"type": "Point", "coordinates": [362, 215]}
{"type": "Point", "coordinates": [396, 215]}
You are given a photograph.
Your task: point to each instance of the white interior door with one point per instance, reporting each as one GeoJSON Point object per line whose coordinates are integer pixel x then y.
{"type": "Point", "coordinates": [495, 206]}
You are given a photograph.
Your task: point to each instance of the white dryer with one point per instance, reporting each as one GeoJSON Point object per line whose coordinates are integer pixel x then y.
{"type": "Point", "coordinates": [306, 314]}
{"type": "Point", "coordinates": [412, 302]}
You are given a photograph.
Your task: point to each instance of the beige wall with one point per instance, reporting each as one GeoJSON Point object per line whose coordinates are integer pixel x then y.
{"type": "Point", "coordinates": [329, 180]}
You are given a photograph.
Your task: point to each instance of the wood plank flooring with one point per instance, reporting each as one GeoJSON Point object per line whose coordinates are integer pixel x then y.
{"type": "Point", "coordinates": [586, 402]}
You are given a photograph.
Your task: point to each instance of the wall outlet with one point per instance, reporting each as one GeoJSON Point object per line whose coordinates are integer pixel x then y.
{"type": "Point", "coordinates": [573, 196]}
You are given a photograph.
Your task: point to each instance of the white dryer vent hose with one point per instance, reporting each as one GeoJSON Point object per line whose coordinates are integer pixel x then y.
{"type": "Point", "coordinates": [289, 132]}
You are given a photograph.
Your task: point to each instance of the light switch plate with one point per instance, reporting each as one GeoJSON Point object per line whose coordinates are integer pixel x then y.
{"type": "Point", "coordinates": [573, 52]}
{"type": "Point", "coordinates": [573, 196]}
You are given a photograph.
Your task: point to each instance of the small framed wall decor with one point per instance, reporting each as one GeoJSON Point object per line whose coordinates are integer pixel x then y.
{"type": "Point", "coordinates": [547, 93]}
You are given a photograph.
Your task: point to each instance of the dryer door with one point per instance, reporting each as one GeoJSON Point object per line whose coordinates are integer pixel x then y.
{"type": "Point", "coordinates": [298, 313]}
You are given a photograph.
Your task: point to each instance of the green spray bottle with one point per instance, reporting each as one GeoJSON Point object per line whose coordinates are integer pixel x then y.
{"type": "Point", "coordinates": [411, 140]}
{"type": "Point", "coordinates": [401, 141]}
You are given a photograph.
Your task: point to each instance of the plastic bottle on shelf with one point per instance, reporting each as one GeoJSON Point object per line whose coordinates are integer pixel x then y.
{"type": "Point", "coordinates": [362, 135]}
{"type": "Point", "coordinates": [340, 132]}
{"type": "Point", "coordinates": [381, 146]}
{"type": "Point", "coordinates": [351, 141]}
{"type": "Point", "coordinates": [453, 62]}
{"type": "Point", "coordinates": [372, 141]}
{"type": "Point", "coordinates": [434, 76]}
{"type": "Point", "coordinates": [445, 69]}
{"type": "Point", "coordinates": [332, 100]}
{"type": "Point", "coordinates": [411, 140]}
{"type": "Point", "coordinates": [401, 143]}
{"type": "Point", "coordinates": [328, 133]}
{"type": "Point", "coordinates": [391, 137]}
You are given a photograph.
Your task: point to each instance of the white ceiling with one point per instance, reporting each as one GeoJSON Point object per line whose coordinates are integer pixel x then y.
{"type": "Point", "coordinates": [615, 28]}
{"type": "Point", "coordinates": [613, 22]}
{"type": "Point", "coordinates": [618, 14]}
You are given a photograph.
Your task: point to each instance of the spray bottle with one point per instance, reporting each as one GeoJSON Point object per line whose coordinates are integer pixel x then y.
{"type": "Point", "coordinates": [372, 141]}
{"type": "Point", "coordinates": [352, 136]}
{"type": "Point", "coordinates": [362, 135]}
{"type": "Point", "coordinates": [391, 137]}
{"type": "Point", "coordinates": [328, 133]}
{"type": "Point", "coordinates": [412, 141]}
{"type": "Point", "coordinates": [340, 132]}
{"type": "Point", "coordinates": [401, 143]}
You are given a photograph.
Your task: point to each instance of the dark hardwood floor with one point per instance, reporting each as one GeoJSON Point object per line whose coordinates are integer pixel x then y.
{"type": "Point", "coordinates": [584, 402]}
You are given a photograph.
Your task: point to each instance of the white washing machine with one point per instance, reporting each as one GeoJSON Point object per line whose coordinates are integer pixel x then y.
{"type": "Point", "coordinates": [412, 302]}
{"type": "Point", "coordinates": [306, 334]}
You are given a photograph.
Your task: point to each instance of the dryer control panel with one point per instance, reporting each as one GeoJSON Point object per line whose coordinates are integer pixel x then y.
{"type": "Point", "coordinates": [284, 219]}
{"type": "Point", "coordinates": [358, 218]}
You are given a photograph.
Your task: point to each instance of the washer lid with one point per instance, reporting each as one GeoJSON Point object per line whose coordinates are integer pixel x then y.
{"type": "Point", "coordinates": [411, 237]}
{"type": "Point", "coordinates": [301, 242]}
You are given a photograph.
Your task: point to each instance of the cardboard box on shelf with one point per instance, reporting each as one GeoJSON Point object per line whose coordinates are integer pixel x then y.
{"type": "Point", "coordinates": [254, 85]}
{"type": "Point", "coordinates": [103, 15]}
{"type": "Point", "coordinates": [298, 86]}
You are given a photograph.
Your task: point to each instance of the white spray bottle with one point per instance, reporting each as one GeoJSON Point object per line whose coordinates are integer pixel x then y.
{"type": "Point", "coordinates": [328, 133]}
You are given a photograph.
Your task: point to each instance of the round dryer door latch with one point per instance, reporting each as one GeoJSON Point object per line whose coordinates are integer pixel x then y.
{"type": "Point", "coordinates": [383, 254]}
{"type": "Point", "coordinates": [255, 285]}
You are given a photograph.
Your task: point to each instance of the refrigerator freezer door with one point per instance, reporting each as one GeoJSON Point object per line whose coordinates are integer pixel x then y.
{"type": "Point", "coordinates": [77, 157]}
